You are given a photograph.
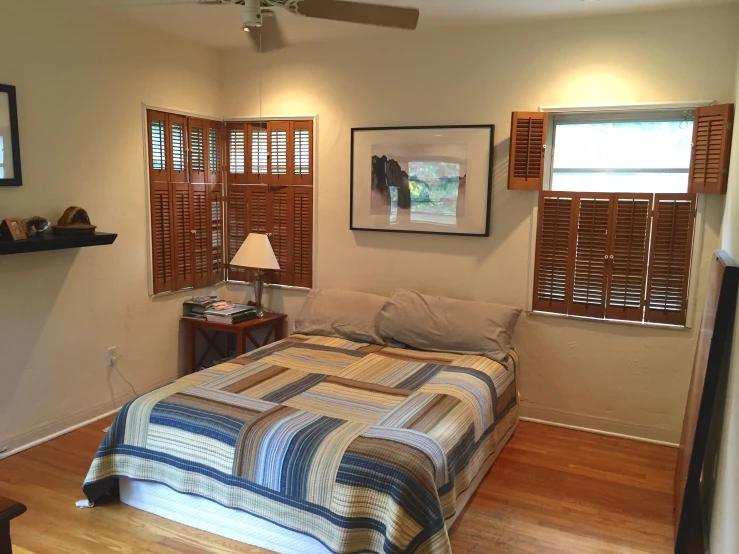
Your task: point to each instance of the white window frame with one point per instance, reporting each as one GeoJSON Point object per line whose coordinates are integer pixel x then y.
{"type": "Point", "coordinates": [639, 112]}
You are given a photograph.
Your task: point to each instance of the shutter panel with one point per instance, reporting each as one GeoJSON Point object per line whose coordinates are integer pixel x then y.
{"type": "Point", "coordinates": [177, 148]}
{"type": "Point", "coordinates": [280, 160]}
{"type": "Point", "coordinates": [555, 237]}
{"type": "Point", "coordinates": [590, 267]}
{"type": "Point", "coordinates": [236, 229]}
{"type": "Point", "coordinates": [214, 163]}
{"type": "Point", "coordinates": [215, 198]}
{"type": "Point", "coordinates": [302, 143]}
{"type": "Point", "coordinates": [160, 203]}
{"type": "Point", "coordinates": [183, 236]}
{"type": "Point", "coordinates": [528, 142]}
{"type": "Point", "coordinates": [196, 129]}
{"type": "Point", "coordinates": [302, 257]}
{"type": "Point", "coordinates": [237, 149]}
{"type": "Point", "coordinates": [670, 256]}
{"type": "Point", "coordinates": [709, 167]}
{"type": "Point", "coordinates": [201, 237]}
{"type": "Point", "coordinates": [629, 250]}
{"type": "Point", "coordinates": [280, 223]}
{"type": "Point", "coordinates": [257, 208]}
{"type": "Point", "coordinates": [257, 154]}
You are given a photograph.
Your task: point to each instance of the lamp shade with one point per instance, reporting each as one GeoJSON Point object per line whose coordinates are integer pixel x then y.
{"type": "Point", "coordinates": [256, 252]}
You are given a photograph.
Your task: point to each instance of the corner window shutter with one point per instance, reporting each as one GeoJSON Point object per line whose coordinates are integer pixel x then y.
{"type": "Point", "coordinates": [630, 247]}
{"type": "Point", "coordinates": [279, 159]}
{"type": "Point", "coordinates": [302, 143]}
{"type": "Point", "coordinates": [236, 147]}
{"type": "Point", "coordinates": [302, 256]}
{"type": "Point", "coordinates": [214, 163]}
{"type": "Point", "coordinates": [196, 128]}
{"type": "Point", "coordinates": [215, 199]}
{"type": "Point", "coordinates": [280, 224]}
{"type": "Point", "coordinates": [257, 153]}
{"type": "Point", "coordinates": [590, 266]}
{"type": "Point", "coordinates": [670, 257]}
{"type": "Point", "coordinates": [201, 236]}
{"type": "Point", "coordinates": [177, 148]}
{"type": "Point", "coordinates": [160, 203]}
{"type": "Point", "coordinates": [709, 166]}
{"type": "Point", "coordinates": [554, 248]}
{"type": "Point", "coordinates": [183, 236]}
{"type": "Point", "coordinates": [236, 229]}
{"type": "Point", "coordinates": [528, 142]}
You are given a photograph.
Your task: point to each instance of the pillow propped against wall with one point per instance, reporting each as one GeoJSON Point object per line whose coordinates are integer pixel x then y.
{"type": "Point", "coordinates": [447, 325]}
{"type": "Point", "coordinates": [341, 313]}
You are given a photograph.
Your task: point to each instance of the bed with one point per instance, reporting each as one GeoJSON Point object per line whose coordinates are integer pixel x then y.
{"type": "Point", "coordinates": [315, 444]}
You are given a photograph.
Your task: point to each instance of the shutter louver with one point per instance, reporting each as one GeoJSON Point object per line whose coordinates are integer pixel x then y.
{"type": "Point", "coordinates": [552, 276]}
{"type": "Point", "coordinates": [712, 131]}
{"type": "Point", "coordinates": [259, 152]}
{"type": "Point", "coordinates": [670, 257]}
{"type": "Point", "coordinates": [197, 150]}
{"type": "Point", "coordinates": [236, 230]}
{"type": "Point", "coordinates": [161, 241]}
{"type": "Point", "coordinates": [281, 235]}
{"type": "Point", "coordinates": [257, 207]}
{"type": "Point", "coordinates": [216, 236]}
{"type": "Point", "coordinates": [302, 237]}
{"type": "Point", "coordinates": [629, 248]}
{"type": "Point", "coordinates": [183, 239]}
{"type": "Point", "coordinates": [278, 154]}
{"type": "Point", "coordinates": [158, 149]}
{"type": "Point", "coordinates": [177, 136]}
{"type": "Point", "coordinates": [201, 237]}
{"type": "Point", "coordinates": [528, 141]}
{"type": "Point", "coordinates": [237, 152]}
{"type": "Point", "coordinates": [302, 159]}
{"type": "Point", "coordinates": [590, 265]}
{"type": "Point", "coordinates": [178, 147]}
{"type": "Point", "coordinates": [214, 152]}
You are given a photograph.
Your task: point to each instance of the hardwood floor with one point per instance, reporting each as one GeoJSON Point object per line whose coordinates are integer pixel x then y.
{"type": "Point", "coordinates": [552, 491]}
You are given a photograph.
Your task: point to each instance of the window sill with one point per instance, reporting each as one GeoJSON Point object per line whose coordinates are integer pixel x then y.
{"type": "Point", "coordinates": [612, 321]}
{"type": "Point", "coordinates": [270, 286]}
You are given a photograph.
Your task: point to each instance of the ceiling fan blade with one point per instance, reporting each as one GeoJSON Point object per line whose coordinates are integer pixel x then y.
{"type": "Point", "coordinates": [268, 37]}
{"type": "Point", "coordinates": [355, 12]}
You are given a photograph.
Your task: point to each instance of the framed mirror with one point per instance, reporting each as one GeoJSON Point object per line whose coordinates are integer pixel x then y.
{"type": "Point", "coordinates": [10, 150]}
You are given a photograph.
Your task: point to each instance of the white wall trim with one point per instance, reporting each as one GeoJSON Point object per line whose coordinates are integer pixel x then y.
{"type": "Point", "coordinates": [69, 424]}
{"type": "Point", "coordinates": [627, 107]}
{"type": "Point", "coordinates": [598, 425]}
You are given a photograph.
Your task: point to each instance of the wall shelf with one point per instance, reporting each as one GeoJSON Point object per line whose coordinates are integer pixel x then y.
{"type": "Point", "coordinates": [50, 241]}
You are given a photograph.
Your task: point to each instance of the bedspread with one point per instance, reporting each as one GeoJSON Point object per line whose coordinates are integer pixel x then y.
{"type": "Point", "coordinates": [361, 447]}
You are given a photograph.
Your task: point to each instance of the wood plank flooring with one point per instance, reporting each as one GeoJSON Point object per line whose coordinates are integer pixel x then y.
{"type": "Point", "coordinates": [552, 491]}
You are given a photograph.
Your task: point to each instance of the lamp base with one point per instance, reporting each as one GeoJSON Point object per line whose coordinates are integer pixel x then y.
{"type": "Point", "coordinates": [258, 289]}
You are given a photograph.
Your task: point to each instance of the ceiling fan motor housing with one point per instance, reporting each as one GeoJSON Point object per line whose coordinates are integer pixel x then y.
{"type": "Point", "coordinates": [252, 15]}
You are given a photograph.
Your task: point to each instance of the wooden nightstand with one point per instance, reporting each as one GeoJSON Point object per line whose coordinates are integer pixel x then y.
{"type": "Point", "coordinates": [9, 509]}
{"type": "Point", "coordinates": [274, 324]}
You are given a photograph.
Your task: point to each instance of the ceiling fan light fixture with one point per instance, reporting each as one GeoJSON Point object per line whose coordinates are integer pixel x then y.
{"type": "Point", "coordinates": [252, 14]}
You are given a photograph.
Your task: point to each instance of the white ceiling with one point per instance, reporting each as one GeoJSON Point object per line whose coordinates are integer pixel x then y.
{"type": "Point", "coordinates": [219, 25]}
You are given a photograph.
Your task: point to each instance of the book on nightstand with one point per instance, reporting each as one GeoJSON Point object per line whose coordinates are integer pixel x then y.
{"type": "Point", "coordinates": [230, 314]}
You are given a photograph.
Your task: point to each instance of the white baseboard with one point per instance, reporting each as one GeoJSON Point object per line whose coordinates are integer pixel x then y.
{"type": "Point", "coordinates": [601, 426]}
{"type": "Point", "coordinates": [69, 424]}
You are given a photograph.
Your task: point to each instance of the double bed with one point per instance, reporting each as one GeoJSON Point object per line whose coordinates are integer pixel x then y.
{"type": "Point", "coordinates": [315, 444]}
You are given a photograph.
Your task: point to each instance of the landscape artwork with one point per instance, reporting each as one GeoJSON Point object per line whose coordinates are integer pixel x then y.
{"type": "Point", "coordinates": [422, 179]}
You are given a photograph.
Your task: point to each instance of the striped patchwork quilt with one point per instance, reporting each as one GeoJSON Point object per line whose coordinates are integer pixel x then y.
{"type": "Point", "coordinates": [364, 448]}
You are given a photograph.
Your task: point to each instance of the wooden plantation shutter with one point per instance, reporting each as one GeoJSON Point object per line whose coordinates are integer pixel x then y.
{"type": "Point", "coordinates": [214, 149]}
{"type": "Point", "coordinates": [280, 163]}
{"type": "Point", "coordinates": [257, 158]}
{"type": "Point", "coordinates": [670, 256]}
{"type": "Point", "coordinates": [552, 270]}
{"type": "Point", "coordinates": [302, 236]}
{"type": "Point", "coordinates": [590, 266]}
{"type": "Point", "coordinates": [712, 131]}
{"type": "Point", "coordinates": [302, 137]}
{"type": "Point", "coordinates": [201, 237]}
{"type": "Point", "coordinates": [280, 224]}
{"type": "Point", "coordinates": [628, 258]}
{"type": "Point", "coordinates": [528, 143]}
{"type": "Point", "coordinates": [160, 201]}
{"type": "Point", "coordinates": [197, 149]}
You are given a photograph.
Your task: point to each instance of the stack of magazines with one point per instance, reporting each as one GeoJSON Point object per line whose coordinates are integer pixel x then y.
{"type": "Point", "coordinates": [211, 308]}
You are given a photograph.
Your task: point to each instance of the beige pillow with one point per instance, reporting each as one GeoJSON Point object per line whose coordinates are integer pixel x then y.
{"type": "Point", "coordinates": [341, 313]}
{"type": "Point", "coordinates": [447, 325]}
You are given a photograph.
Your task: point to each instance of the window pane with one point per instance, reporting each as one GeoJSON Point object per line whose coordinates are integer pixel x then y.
{"type": "Point", "coordinates": [623, 145]}
{"type": "Point", "coordinates": [620, 182]}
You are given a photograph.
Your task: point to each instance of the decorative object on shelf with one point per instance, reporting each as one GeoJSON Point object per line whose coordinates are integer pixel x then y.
{"type": "Point", "coordinates": [35, 225]}
{"type": "Point", "coordinates": [12, 228]}
{"type": "Point", "coordinates": [74, 221]}
{"type": "Point", "coordinates": [435, 180]}
{"type": "Point", "coordinates": [257, 254]}
{"type": "Point", "coordinates": [10, 148]}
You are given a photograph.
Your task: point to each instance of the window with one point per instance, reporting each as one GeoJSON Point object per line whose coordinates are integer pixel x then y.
{"type": "Point", "coordinates": [615, 228]}
{"type": "Point", "coordinates": [273, 195]}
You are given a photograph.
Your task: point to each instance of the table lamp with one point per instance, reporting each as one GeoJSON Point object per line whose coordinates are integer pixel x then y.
{"type": "Point", "coordinates": [256, 253]}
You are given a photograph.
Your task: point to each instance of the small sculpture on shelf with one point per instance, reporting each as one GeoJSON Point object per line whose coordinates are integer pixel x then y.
{"type": "Point", "coordinates": [74, 221]}
{"type": "Point", "coordinates": [35, 225]}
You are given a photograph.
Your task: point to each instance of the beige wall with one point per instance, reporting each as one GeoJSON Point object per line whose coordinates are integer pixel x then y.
{"type": "Point", "coordinates": [725, 514]}
{"type": "Point", "coordinates": [82, 78]}
{"type": "Point", "coordinates": [617, 378]}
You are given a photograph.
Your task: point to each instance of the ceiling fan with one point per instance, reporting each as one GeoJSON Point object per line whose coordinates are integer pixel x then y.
{"type": "Point", "coordinates": [260, 22]}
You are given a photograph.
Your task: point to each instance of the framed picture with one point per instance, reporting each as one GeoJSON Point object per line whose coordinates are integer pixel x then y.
{"type": "Point", "coordinates": [10, 149]}
{"type": "Point", "coordinates": [435, 180]}
{"type": "Point", "coordinates": [15, 228]}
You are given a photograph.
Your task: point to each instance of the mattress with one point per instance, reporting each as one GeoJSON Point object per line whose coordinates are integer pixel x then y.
{"type": "Point", "coordinates": [353, 447]}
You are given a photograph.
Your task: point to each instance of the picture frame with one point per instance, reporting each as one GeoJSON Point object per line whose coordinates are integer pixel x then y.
{"type": "Point", "coordinates": [10, 149]}
{"type": "Point", "coordinates": [422, 179]}
{"type": "Point", "coordinates": [15, 227]}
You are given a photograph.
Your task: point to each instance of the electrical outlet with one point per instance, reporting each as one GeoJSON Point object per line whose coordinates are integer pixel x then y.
{"type": "Point", "coordinates": [112, 356]}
